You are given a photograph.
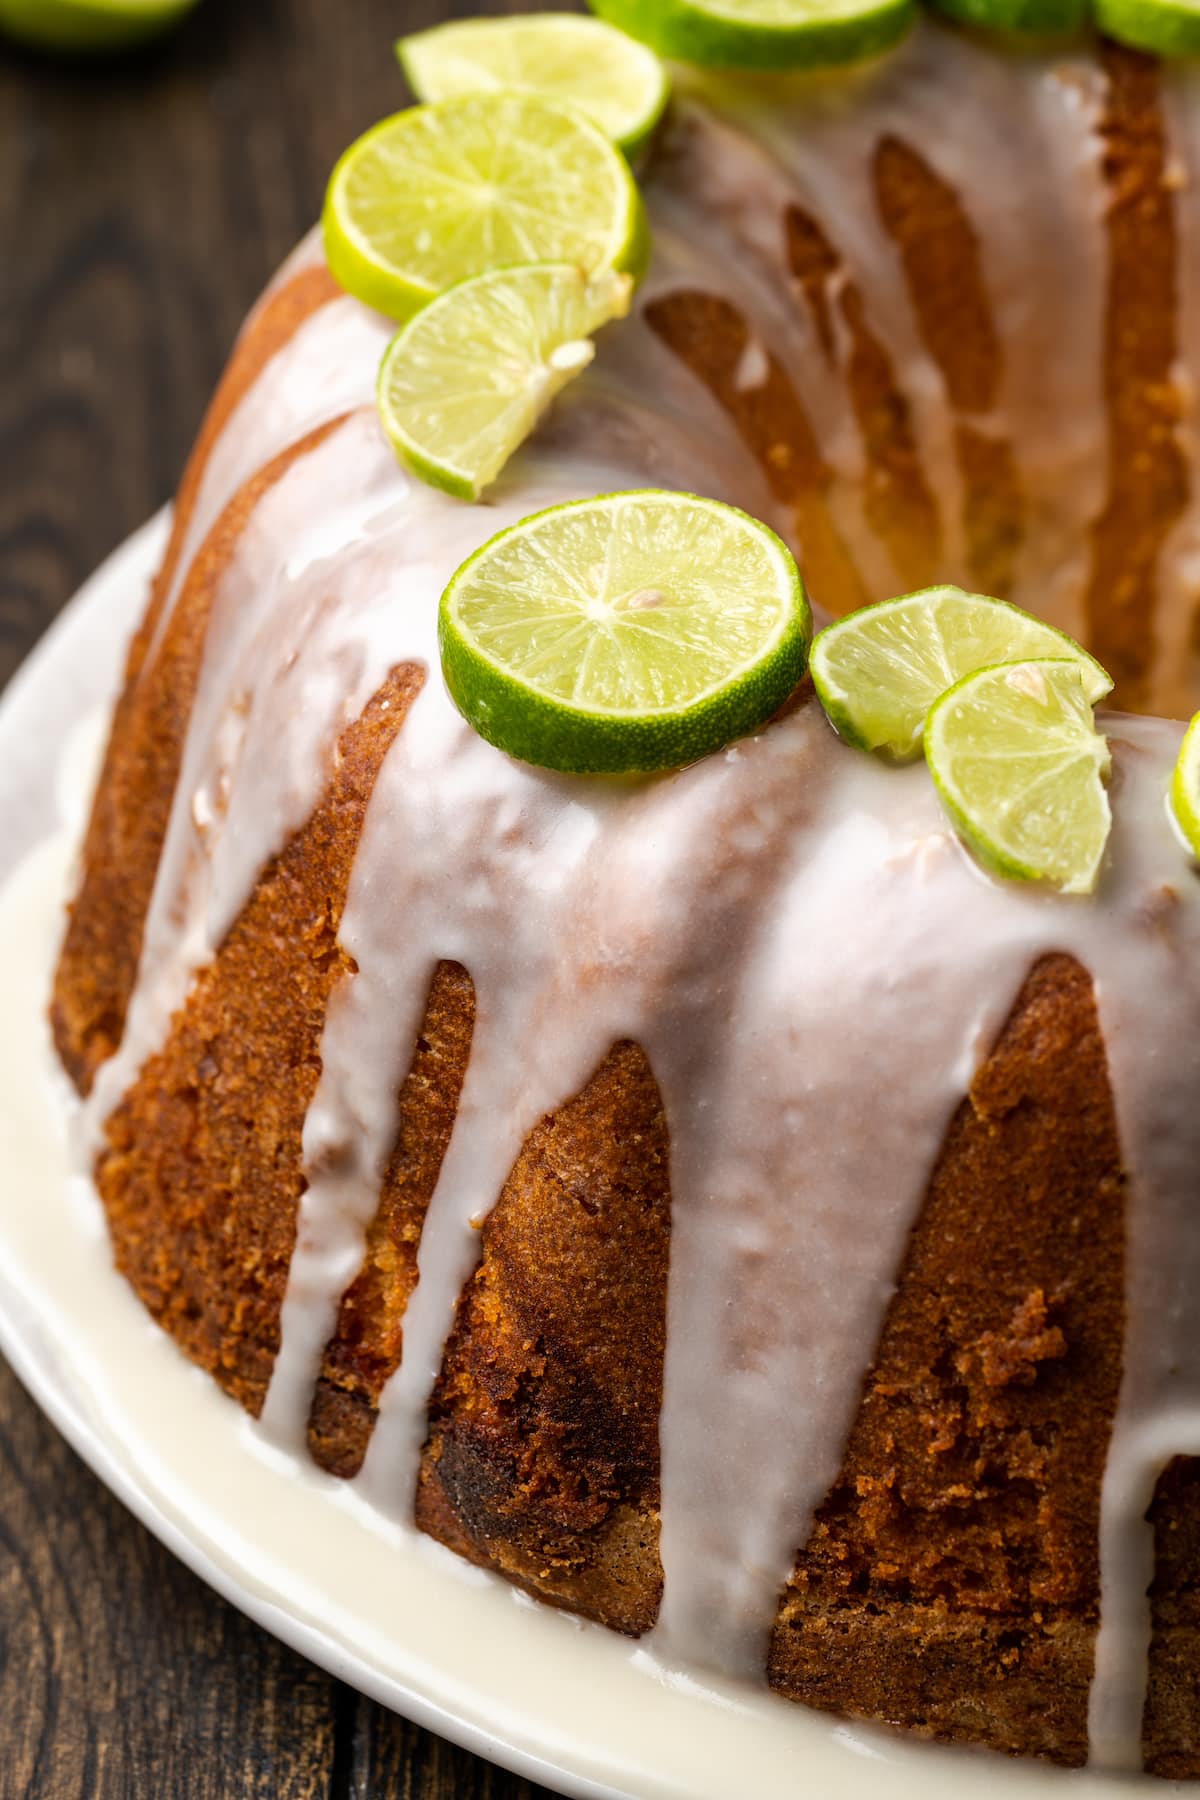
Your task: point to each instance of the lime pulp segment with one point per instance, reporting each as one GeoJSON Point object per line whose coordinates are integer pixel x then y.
{"type": "Point", "coordinates": [438, 193]}
{"type": "Point", "coordinates": [466, 380]}
{"type": "Point", "coordinates": [89, 25]}
{"type": "Point", "coordinates": [878, 671]}
{"type": "Point", "coordinates": [1020, 768]}
{"type": "Point", "coordinates": [632, 632]}
{"type": "Point", "coordinates": [1185, 787]}
{"type": "Point", "coordinates": [619, 84]}
{"type": "Point", "coordinates": [763, 34]}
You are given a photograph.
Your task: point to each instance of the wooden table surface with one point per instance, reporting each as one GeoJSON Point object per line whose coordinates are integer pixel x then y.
{"type": "Point", "coordinates": [142, 207]}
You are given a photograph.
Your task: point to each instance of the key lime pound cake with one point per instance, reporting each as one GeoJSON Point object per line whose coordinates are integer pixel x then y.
{"type": "Point", "coordinates": [562, 1068]}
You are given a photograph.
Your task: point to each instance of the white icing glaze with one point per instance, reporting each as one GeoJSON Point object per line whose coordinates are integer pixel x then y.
{"type": "Point", "coordinates": [734, 919]}
{"type": "Point", "coordinates": [984, 122]}
{"type": "Point", "coordinates": [323, 370]}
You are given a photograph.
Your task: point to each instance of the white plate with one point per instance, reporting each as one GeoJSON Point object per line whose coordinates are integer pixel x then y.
{"type": "Point", "coordinates": [567, 1704]}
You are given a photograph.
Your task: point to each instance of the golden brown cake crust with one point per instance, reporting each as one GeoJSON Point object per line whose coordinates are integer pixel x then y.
{"type": "Point", "coordinates": [201, 1175]}
{"type": "Point", "coordinates": [1171, 1721]}
{"type": "Point", "coordinates": [943, 270]}
{"type": "Point", "coordinates": [542, 1460]}
{"type": "Point", "coordinates": [897, 497]}
{"type": "Point", "coordinates": [1147, 475]}
{"type": "Point", "coordinates": [365, 1349]}
{"type": "Point", "coordinates": [711, 337]}
{"type": "Point", "coordinates": [951, 1579]}
{"type": "Point", "coordinates": [277, 318]}
{"type": "Point", "coordinates": [99, 961]}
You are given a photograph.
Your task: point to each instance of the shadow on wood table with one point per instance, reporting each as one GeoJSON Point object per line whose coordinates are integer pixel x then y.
{"type": "Point", "coordinates": [142, 207]}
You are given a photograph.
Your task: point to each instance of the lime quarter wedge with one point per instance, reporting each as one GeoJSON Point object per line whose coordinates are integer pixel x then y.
{"type": "Point", "coordinates": [1020, 768]}
{"type": "Point", "coordinates": [466, 380]}
{"type": "Point", "coordinates": [442, 192]}
{"type": "Point", "coordinates": [619, 84]}
{"type": "Point", "coordinates": [1168, 28]}
{"type": "Point", "coordinates": [1185, 788]}
{"type": "Point", "coordinates": [83, 26]}
{"type": "Point", "coordinates": [763, 34]}
{"type": "Point", "coordinates": [879, 671]}
{"type": "Point", "coordinates": [628, 633]}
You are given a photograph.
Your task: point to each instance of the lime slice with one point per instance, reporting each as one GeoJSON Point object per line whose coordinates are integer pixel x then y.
{"type": "Point", "coordinates": [442, 192]}
{"type": "Point", "coordinates": [633, 632]}
{"type": "Point", "coordinates": [1031, 18]}
{"type": "Point", "coordinates": [465, 381]}
{"type": "Point", "coordinates": [879, 671]}
{"type": "Point", "coordinates": [621, 86]}
{"type": "Point", "coordinates": [1020, 767]}
{"type": "Point", "coordinates": [763, 34]}
{"type": "Point", "coordinates": [1185, 788]}
{"type": "Point", "coordinates": [1165, 27]}
{"type": "Point", "coordinates": [82, 25]}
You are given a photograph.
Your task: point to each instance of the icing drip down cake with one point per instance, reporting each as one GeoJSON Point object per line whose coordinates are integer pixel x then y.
{"type": "Point", "coordinates": [708, 1199]}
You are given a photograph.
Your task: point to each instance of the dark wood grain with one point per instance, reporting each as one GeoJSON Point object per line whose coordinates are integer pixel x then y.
{"type": "Point", "coordinates": [121, 1673]}
{"type": "Point", "coordinates": [142, 207]}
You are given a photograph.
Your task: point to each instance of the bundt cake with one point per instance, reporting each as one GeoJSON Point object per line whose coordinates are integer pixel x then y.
{"type": "Point", "coordinates": [707, 1200]}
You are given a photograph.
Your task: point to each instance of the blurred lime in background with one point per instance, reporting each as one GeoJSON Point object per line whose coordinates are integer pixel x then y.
{"type": "Point", "coordinates": [89, 25]}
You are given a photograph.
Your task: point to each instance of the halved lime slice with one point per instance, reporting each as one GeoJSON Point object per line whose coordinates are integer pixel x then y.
{"type": "Point", "coordinates": [442, 192]}
{"type": "Point", "coordinates": [84, 25]}
{"type": "Point", "coordinates": [618, 84]}
{"type": "Point", "coordinates": [632, 632]}
{"type": "Point", "coordinates": [763, 34]}
{"type": "Point", "coordinates": [1164, 27]}
{"type": "Point", "coordinates": [1185, 788]}
{"type": "Point", "coordinates": [465, 381]}
{"type": "Point", "coordinates": [879, 670]}
{"type": "Point", "coordinates": [1020, 767]}
{"type": "Point", "coordinates": [1020, 18]}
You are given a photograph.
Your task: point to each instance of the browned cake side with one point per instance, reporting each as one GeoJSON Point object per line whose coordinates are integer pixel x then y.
{"type": "Point", "coordinates": [202, 1172]}
{"type": "Point", "coordinates": [1147, 474]}
{"type": "Point", "coordinates": [278, 317]}
{"type": "Point", "coordinates": [710, 335]}
{"type": "Point", "coordinates": [98, 965]}
{"type": "Point", "coordinates": [542, 1460]}
{"type": "Point", "coordinates": [951, 1580]}
{"type": "Point", "coordinates": [943, 271]}
{"type": "Point", "coordinates": [898, 501]}
{"type": "Point", "coordinates": [1171, 1722]}
{"type": "Point", "coordinates": [365, 1349]}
